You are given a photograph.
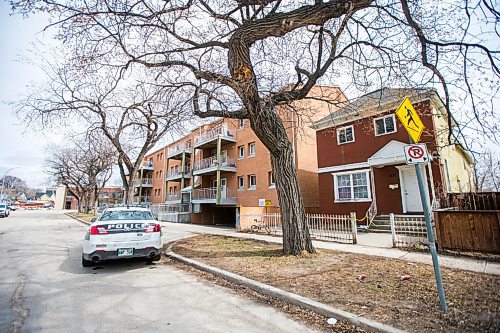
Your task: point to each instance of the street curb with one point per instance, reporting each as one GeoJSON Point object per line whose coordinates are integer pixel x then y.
{"type": "Point", "coordinates": [289, 297]}
{"type": "Point", "coordinates": [78, 219]}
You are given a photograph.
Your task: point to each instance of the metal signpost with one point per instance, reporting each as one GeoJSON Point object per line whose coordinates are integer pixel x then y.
{"type": "Point", "coordinates": [417, 154]}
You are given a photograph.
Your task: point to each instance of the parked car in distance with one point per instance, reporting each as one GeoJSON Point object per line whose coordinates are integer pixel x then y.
{"type": "Point", "coordinates": [4, 210]}
{"type": "Point", "coordinates": [13, 207]}
{"type": "Point", "coordinates": [122, 232]}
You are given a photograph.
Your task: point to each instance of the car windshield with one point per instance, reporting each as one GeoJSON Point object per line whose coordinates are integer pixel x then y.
{"type": "Point", "coordinates": [125, 215]}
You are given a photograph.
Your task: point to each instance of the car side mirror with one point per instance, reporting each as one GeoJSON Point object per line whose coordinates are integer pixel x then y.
{"type": "Point", "coordinates": [93, 220]}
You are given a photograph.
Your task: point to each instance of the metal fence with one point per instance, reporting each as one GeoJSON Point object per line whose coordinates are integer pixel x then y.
{"type": "Point", "coordinates": [339, 228]}
{"type": "Point", "coordinates": [408, 230]}
{"type": "Point", "coordinates": [171, 213]}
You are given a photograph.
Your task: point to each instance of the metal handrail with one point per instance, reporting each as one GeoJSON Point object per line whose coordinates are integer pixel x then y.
{"type": "Point", "coordinates": [211, 161]}
{"type": "Point", "coordinates": [213, 133]}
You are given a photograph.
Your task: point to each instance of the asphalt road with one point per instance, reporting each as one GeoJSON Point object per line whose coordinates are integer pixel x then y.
{"type": "Point", "coordinates": [44, 288]}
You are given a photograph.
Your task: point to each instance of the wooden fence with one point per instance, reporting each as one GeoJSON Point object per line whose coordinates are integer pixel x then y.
{"type": "Point", "coordinates": [468, 230]}
{"type": "Point", "coordinates": [471, 201]}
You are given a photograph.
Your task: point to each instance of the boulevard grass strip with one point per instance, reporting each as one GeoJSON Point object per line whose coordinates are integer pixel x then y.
{"type": "Point", "coordinates": [330, 277]}
{"type": "Point", "coordinates": [82, 216]}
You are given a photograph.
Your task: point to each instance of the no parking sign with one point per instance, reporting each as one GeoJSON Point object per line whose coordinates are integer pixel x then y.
{"type": "Point", "coordinates": [416, 153]}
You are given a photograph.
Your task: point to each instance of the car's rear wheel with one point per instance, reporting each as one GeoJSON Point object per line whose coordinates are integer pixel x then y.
{"type": "Point", "coordinates": [87, 263]}
{"type": "Point", "coordinates": [156, 258]}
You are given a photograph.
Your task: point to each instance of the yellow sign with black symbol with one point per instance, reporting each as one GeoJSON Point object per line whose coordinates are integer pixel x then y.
{"type": "Point", "coordinates": [410, 120]}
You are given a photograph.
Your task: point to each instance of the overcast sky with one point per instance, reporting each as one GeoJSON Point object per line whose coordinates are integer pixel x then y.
{"type": "Point", "coordinates": [19, 148]}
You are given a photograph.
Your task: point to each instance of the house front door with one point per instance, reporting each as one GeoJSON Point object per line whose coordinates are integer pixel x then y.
{"type": "Point", "coordinates": [409, 190]}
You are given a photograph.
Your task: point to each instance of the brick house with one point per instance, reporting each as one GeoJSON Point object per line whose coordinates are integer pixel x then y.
{"type": "Point", "coordinates": [221, 170]}
{"type": "Point", "coordinates": [361, 163]}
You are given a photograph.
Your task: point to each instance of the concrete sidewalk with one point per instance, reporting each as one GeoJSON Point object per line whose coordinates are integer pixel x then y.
{"type": "Point", "coordinates": [374, 247]}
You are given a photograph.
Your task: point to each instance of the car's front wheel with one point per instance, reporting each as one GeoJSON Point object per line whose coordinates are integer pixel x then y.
{"type": "Point", "coordinates": [87, 263]}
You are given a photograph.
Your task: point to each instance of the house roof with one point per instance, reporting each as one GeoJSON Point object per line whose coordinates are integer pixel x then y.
{"type": "Point", "coordinates": [377, 101]}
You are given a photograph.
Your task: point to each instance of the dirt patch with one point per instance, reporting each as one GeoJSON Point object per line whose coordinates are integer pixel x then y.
{"type": "Point", "coordinates": [330, 277]}
{"type": "Point", "coordinates": [82, 216]}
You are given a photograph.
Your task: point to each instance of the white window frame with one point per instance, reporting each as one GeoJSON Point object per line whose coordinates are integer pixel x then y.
{"type": "Point", "coordinates": [250, 153]}
{"type": "Point", "coordinates": [241, 123]}
{"type": "Point", "coordinates": [385, 132]}
{"type": "Point", "coordinates": [250, 186]}
{"type": "Point", "coordinates": [241, 187]}
{"type": "Point", "coordinates": [345, 128]}
{"type": "Point", "coordinates": [241, 152]}
{"type": "Point", "coordinates": [368, 185]}
{"type": "Point", "coordinates": [271, 180]}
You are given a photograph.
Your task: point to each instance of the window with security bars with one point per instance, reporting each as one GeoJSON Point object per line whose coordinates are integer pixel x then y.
{"type": "Point", "coordinates": [385, 125]}
{"type": "Point", "coordinates": [352, 187]}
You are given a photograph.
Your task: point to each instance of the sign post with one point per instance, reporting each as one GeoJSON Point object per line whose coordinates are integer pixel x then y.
{"type": "Point", "coordinates": [416, 154]}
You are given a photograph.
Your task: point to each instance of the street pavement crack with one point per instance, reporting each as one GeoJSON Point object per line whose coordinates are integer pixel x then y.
{"type": "Point", "coordinates": [16, 306]}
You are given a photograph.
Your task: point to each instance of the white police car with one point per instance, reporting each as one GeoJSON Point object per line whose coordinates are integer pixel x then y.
{"type": "Point", "coordinates": [123, 232]}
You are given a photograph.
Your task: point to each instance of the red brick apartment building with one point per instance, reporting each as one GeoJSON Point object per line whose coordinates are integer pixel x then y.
{"type": "Point", "coordinates": [361, 162]}
{"type": "Point", "coordinates": [221, 170]}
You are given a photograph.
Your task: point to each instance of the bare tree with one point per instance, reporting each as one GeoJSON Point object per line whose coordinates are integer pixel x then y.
{"type": "Point", "coordinates": [130, 114]}
{"type": "Point", "coordinates": [83, 167]}
{"type": "Point", "coordinates": [487, 172]}
{"type": "Point", "coordinates": [245, 59]}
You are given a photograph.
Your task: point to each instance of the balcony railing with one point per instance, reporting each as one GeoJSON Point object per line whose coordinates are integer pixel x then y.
{"type": "Point", "coordinates": [173, 196]}
{"type": "Point", "coordinates": [146, 165]}
{"type": "Point", "coordinates": [227, 196]}
{"type": "Point", "coordinates": [183, 147]}
{"type": "Point", "coordinates": [211, 162]}
{"type": "Point", "coordinates": [176, 173]}
{"type": "Point", "coordinates": [212, 134]}
{"type": "Point", "coordinates": [144, 182]}
{"type": "Point", "coordinates": [144, 198]}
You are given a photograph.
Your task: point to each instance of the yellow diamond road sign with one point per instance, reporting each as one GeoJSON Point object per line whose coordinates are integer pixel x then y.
{"type": "Point", "coordinates": [410, 120]}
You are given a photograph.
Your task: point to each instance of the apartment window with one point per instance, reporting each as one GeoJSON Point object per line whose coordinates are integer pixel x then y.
{"type": "Point", "coordinates": [241, 123]}
{"type": "Point", "coordinates": [189, 145]}
{"type": "Point", "coordinates": [251, 149]}
{"type": "Point", "coordinates": [353, 186]}
{"type": "Point", "coordinates": [252, 182]}
{"type": "Point", "coordinates": [241, 152]}
{"type": "Point", "coordinates": [270, 178]}
{"type": "Point", "coordinates": [384, 125]}
{"type": "Point", "coordinates": [241, 183]}
{"type": "Point", "coordinates": [161, 174]}
{"type": "Point", "coordinates": [345, 135]}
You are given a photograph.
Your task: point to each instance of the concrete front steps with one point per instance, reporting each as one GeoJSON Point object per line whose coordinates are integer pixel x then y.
{"type": "Point", "coordinates": [406, 224]}
{"type": "Point", "coordinates": [381, 224]}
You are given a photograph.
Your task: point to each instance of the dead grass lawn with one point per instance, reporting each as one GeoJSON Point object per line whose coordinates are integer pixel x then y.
{"type": "Point", "coordinates": [330, 277]}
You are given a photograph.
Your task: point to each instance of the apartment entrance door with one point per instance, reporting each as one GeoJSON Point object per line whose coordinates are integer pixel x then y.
{"type": "Point", "coordinates": [223, 187]}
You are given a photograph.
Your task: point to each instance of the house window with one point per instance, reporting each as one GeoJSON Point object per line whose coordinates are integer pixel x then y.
{"type": "Point", "coordinates": [241, 152]}
{"type": "Point", "coordinates": [352, 186]}
{"type": "Point", "coordinates": [345, 135]}
{"type": "Point", "coordinates": [241, 123]}
{"type": "Point", "coordinates": [270, 178]}
{"type": "Point", "coordinates": [241, 183]}
{"type": "Point", "coordinates": [384, 125]}
{"type": "Point", "coordinates": [251, 149]}
{"type": "Point", "coordinates": [252, 182]}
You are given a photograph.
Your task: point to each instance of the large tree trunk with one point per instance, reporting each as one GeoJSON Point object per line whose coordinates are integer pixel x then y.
{"type": "Point", "coordinates": [296, 238]}
{"type": "Point", "coordinates": [270, 130]}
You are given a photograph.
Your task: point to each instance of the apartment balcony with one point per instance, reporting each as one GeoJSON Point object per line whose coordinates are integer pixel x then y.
{"type": "Point", "coordinates": [177, 174]}
{"type": "Point", "coordinates": [144, 182]}
{"type": "Point", "coordinates": [209, 195]}
{"type": "Point", "coordinates": [177, 151]}
{"type": "Point", "coordinates": [209, 138]}
{"type": "Point", "coordinates": [173, 198]}
{"type": "Point", "coordinates": [210, 165]}
{"type": "Point", "coordinates": [146, 166]}
{"type": "Point", "coordinates": [144, 199]}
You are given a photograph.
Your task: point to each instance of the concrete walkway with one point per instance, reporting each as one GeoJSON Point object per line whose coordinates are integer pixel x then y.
{"type": "Point", "coordinates": [369, 244]}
